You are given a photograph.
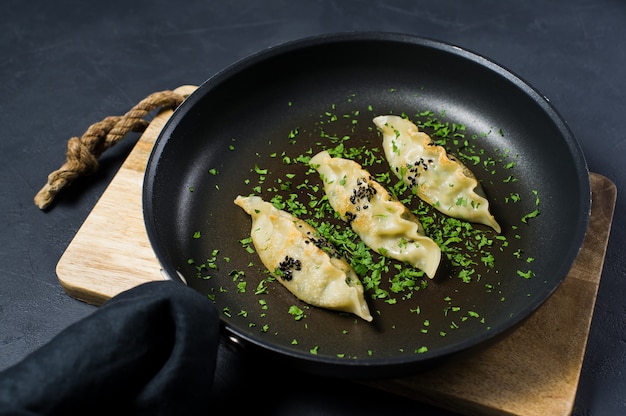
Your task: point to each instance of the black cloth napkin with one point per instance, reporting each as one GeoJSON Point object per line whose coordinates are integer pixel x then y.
{"type": "Point", "coordinates": [151, 350]}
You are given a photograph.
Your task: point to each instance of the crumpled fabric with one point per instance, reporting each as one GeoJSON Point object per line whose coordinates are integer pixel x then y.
{"type": "Point", "coordinates": [150, 350]}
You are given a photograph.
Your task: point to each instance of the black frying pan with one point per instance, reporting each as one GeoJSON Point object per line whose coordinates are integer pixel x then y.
{"type": "Point", "coordinates": [285, 99]}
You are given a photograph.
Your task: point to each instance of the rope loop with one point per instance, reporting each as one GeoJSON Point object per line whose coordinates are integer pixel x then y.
{"type": "Point", "coordinates": [82, 153]}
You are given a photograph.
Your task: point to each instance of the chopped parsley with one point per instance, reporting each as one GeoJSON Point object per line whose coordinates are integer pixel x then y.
{"type": "Point", "coordinates": [470, 253]}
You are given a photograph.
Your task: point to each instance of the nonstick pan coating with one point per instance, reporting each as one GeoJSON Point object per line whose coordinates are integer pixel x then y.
{"type": "Point", "coordinates": [244, 127]}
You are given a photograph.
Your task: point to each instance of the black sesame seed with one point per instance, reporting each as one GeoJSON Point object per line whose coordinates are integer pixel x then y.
{"type": "Point", "coordinates": [287, 266]}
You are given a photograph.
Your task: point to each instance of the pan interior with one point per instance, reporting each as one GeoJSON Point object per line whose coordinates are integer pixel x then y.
{"type": "Point", "coordinates": [243, 132]}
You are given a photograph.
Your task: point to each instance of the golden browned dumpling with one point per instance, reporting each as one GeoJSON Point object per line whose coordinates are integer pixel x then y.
{"type": "Point", "coordinates": [383, 223]}
{"type": "Point", "coordinates": [302, 260]}
{"type": "Point", "coordinates": [440, 180]}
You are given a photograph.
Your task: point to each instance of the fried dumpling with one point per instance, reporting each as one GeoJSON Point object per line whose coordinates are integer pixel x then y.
{"type": "Point", "coordinates": [302, 260]}
{"type": "Point", "coordinates": [437, 178]}
{"type": "Point", "coordinates": [383, 223]}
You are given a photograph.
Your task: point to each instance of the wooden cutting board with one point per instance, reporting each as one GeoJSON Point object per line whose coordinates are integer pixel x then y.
{"type": "Point", "coordinates": [533, 371]}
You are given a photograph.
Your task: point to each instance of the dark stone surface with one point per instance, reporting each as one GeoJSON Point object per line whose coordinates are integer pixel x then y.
{"type": "Point", "coordinates": [67, 64]}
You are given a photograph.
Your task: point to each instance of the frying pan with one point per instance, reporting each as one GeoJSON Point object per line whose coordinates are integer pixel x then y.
{"type": "Point", "coordinates": [242, 131]}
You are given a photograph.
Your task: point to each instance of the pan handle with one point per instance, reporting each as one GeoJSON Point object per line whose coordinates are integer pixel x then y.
{"type": "Point", "coordinates": [230, 341]}
{"type": "Point", "coordinates": [233, 343]}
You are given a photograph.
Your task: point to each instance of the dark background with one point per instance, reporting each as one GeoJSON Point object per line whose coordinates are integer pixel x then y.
{"type": "Point", "coordinates": [66, 64]}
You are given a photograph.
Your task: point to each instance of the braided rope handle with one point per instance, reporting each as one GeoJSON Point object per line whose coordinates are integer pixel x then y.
{"type": "Point", "coordinates": [83, 153]}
